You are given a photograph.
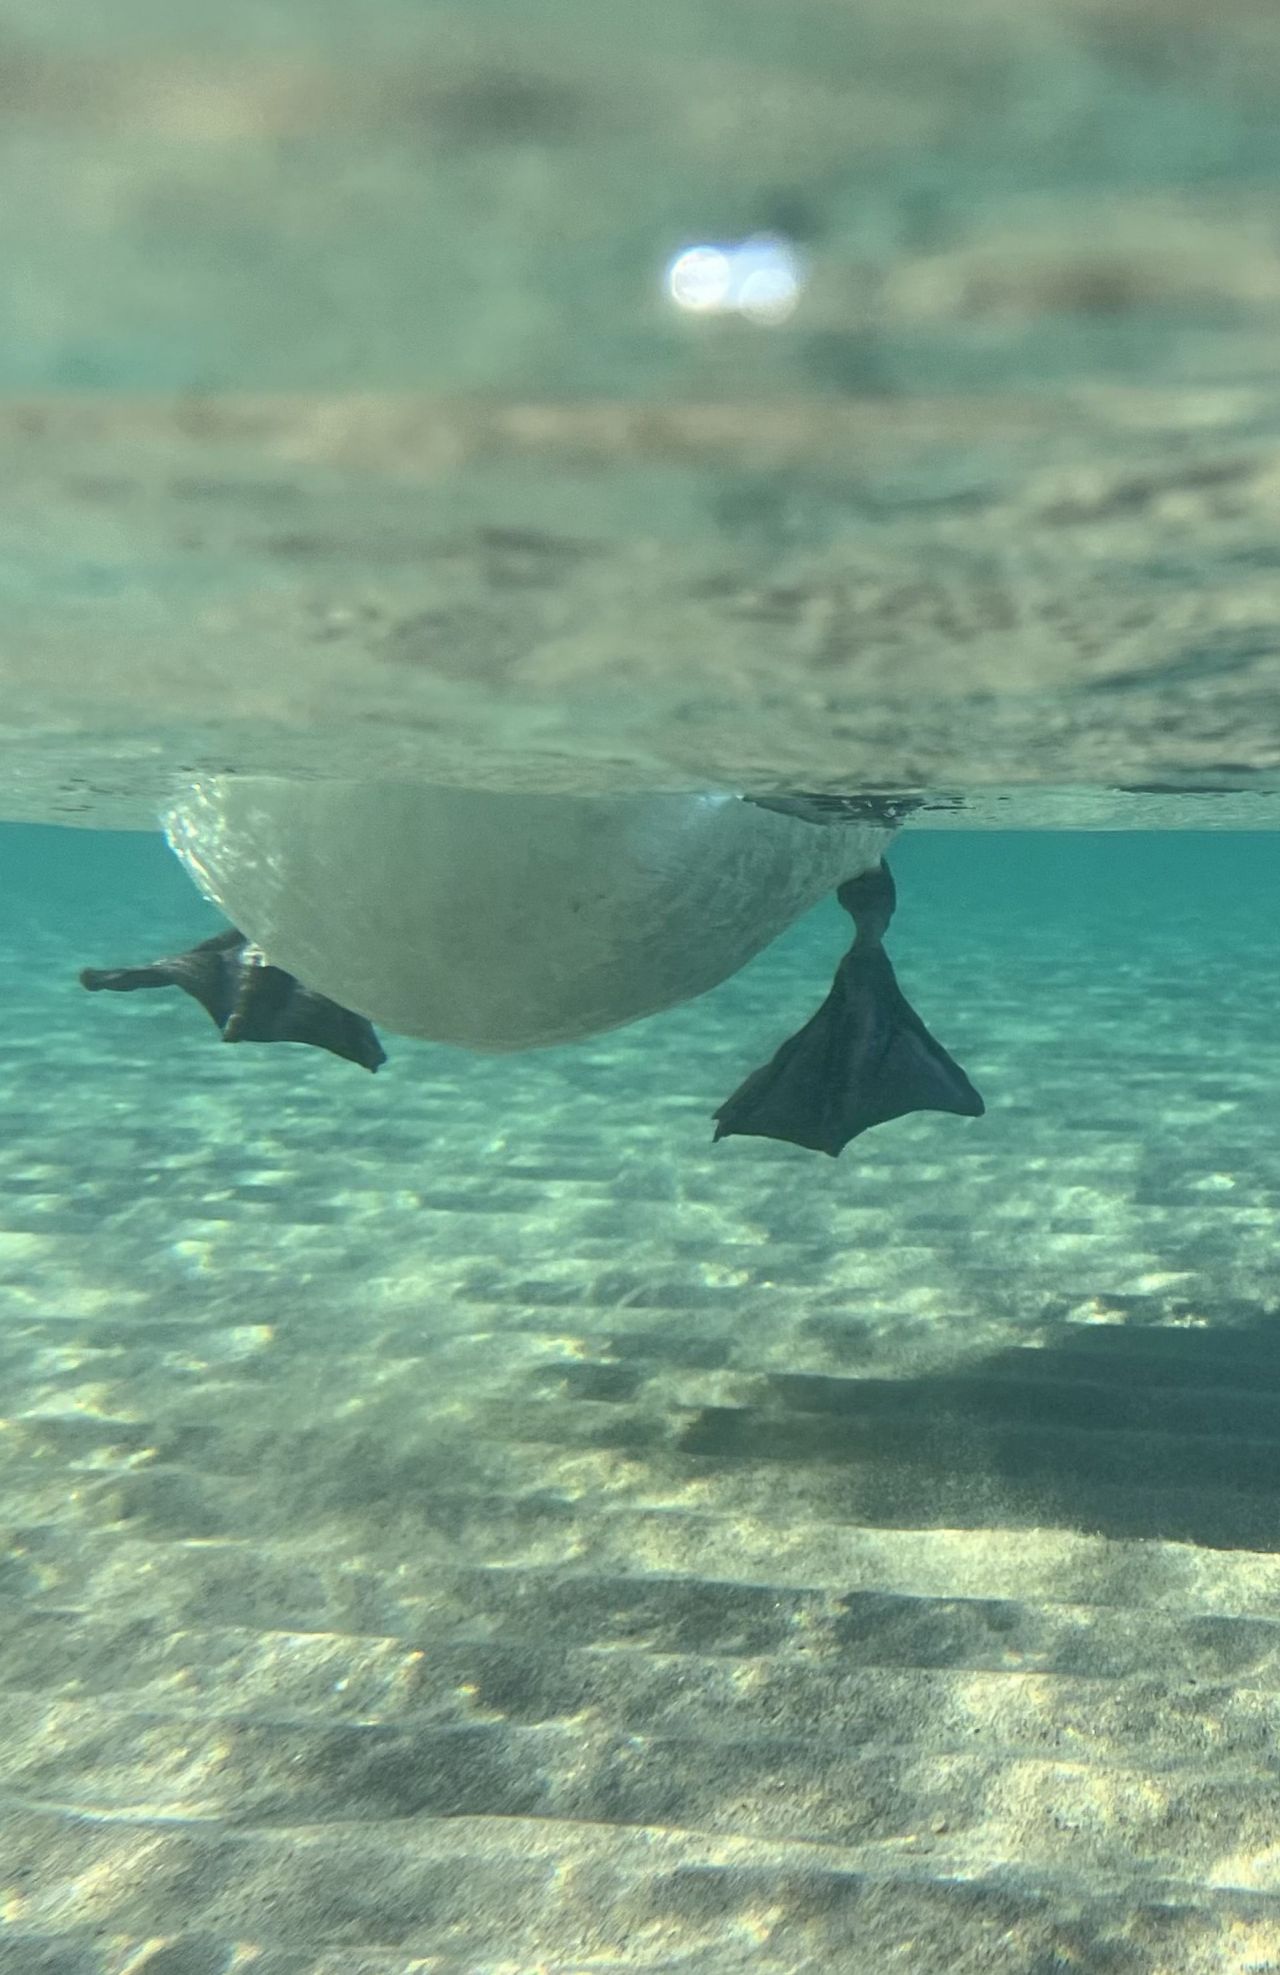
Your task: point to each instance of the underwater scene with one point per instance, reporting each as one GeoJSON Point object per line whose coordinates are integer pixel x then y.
{"type": "Point", "coordinates": [668, 619]}
{"type": "Point", "coordinates": [462, 1519]}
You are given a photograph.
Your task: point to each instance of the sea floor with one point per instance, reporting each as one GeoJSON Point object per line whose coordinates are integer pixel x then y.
{"type": "Point", "coordinates": [459, 1520]}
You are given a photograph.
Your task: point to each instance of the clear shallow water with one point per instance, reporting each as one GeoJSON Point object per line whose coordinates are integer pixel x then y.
{"type": "Point", "coordinates": [458, 1519]}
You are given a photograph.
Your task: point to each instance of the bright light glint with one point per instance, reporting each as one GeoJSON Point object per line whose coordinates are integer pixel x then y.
{"type": "Point", "coordinates": [699, 280]}
{"type": "Point", "coordinates": [760, 278]}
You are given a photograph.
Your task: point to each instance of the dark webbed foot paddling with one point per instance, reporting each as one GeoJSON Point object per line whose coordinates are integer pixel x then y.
{"type": "Point", "coordinates": [864, 1058]}
{"type": "Point", "coordinates": [249, 1000]}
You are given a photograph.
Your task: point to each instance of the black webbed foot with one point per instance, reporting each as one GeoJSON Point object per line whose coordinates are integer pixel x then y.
{"type": "Point", "coordinates": [863, 1058]}
{"type": "Point", "coordinates": [248, 999]}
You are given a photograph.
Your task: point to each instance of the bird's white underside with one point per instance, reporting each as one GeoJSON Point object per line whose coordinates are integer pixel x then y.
{"type": "Point", "coordinates": [502, 922]}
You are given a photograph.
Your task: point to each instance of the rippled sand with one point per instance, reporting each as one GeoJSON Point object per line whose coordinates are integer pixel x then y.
{"type": "Point", "coordinates": [457, 1520]}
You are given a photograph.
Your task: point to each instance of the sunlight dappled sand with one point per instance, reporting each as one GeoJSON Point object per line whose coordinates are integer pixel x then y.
{"type": "Point", "coordinates": [462, 1522]}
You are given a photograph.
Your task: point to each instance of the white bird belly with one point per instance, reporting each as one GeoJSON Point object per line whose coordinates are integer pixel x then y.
{"type": "Point", "coordinates": [502, 922]}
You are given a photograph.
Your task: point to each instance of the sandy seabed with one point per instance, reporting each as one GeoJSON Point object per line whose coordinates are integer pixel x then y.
{"type": "Point", "coordinates": [460, 1521]}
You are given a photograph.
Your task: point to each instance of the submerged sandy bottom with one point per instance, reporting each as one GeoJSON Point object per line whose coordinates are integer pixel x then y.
{"type": "Point", "coordinates": [458, 1521]}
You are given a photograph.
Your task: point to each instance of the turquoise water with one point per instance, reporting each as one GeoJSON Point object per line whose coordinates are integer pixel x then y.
{"type": "Point", "coordinates": [459, 1519]}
